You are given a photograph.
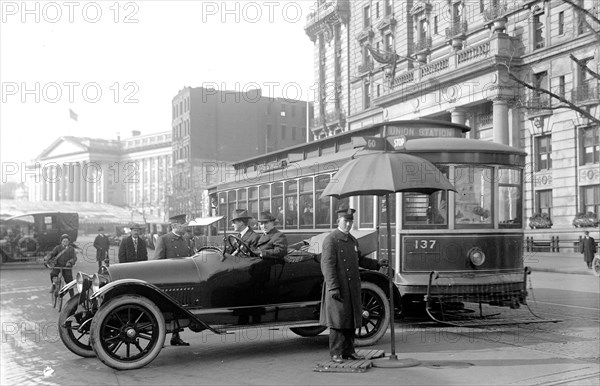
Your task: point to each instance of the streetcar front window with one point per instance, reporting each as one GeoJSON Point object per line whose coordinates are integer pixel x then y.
{"type": "Point", "coordinates": [509, 198]}
{"type": "Point", "coordinates": [422, 210]}
{"type": "Point", "coordinates": [323, 207]}
{"type": "Point", "coordinates": [473, 203]}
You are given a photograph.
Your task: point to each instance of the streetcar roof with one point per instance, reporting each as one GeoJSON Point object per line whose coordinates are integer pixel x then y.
{"type": "Point", "coordinates": [459, 145]}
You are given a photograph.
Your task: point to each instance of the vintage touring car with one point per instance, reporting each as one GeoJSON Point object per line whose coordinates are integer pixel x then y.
{"type": "Point", "coordinates": [123, 314]}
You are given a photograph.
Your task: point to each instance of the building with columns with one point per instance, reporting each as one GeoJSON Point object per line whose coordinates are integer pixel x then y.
{"type": "Point", "coordinates": [452, 60]}
{"type": "Point", "coordinates": [134, 172]}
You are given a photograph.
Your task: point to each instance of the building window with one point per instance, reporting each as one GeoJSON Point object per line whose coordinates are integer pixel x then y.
{"type": "Point", "coordinates": [283, 130]}
{"type": "Point", "coordinates": [389, 43]}
{"type": "Point", "coordinates": [590, 145]}
{"type": "Point", "coordinates": [543, 152]}
{"type": "Point", "coordinates": [366, 17]}
{"type": "Point", "coordinates": [378, 90]}
{"type": "Point", "coordinates": [377, 10]}
{"type": "Point", "coordinates": [435, 24]}
{"type": "Point", "coordinates": [293, 110]}
{"type": "Point", "coordinates": [561, 86]}
{"type": "Point", "coordinates": [388, 7]}
{"type": "Point", "coordinates": [283, 110]}
{"type": "Point", "coordinates": [367, 95]}
{"type": "Point", "coordinates": [561, 23]}
{"type": "Point", "coordinates": [543, 202]}
{"type": "Point", "coordinates": [590, 199]}
{"type": "Point", "coordinates": [294, 133]}
{"type": "Point", "coordinates": [538, 30]}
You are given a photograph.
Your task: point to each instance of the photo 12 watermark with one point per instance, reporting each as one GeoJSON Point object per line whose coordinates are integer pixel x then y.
{"type": "Point", "coordinates": [53, 12]}
{"type": "Point", "coordinates": [72, 92]}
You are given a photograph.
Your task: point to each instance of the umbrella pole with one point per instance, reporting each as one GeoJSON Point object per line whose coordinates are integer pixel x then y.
{"type": "Point", "coordinates": [392, 361]}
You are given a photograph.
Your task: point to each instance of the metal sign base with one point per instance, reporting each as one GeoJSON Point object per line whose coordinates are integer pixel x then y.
{"type": "Point", "coordinates": [393, 362]}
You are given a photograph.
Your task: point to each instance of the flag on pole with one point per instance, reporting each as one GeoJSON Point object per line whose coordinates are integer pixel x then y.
{"type": "Point", "coordinates": [73, 115]}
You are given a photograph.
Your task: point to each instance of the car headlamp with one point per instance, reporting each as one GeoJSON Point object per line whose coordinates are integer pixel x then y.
{"type": "Point", "coordinates": [95, 283]}
{"type": "Point", "coordinates": [476, 256]}
{"type": "Point", "coordinates": [81, 278]}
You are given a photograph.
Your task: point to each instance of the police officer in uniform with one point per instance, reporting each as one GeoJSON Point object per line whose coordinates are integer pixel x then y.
{"type": "Point", "coordinates": [173, 245]}
{"type": "Point", "coordinates": [341, 308]}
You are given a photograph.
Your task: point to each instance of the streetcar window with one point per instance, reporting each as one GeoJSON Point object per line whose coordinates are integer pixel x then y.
{"type": "Point", "coordinates": [277, 202]}
{"type": "Point", "coordinates": [323, 207]}
{"type": "Point", "coordinates": [365, 212]}
{"type": "Point", "coordinates": [253, 201]}
{"type": "Point", "coordinates": [231, 201]}
{"type": "Point", "coordinates": [425, 210]}
{"type": "Point", "coordinates": [223, 204]}
{"type": "Point", "coordinates": [291, 205]}
{"type": "Point", "coordinates": [242, 199]}
{"type": "Point", "coordinates": [306, 203]}
{"type": "Point", "coordinates": [264, 197]}
{"type": "Point", "coordinates": [509, 198]}
{"type": "Point", "coordinates": [473, 203]}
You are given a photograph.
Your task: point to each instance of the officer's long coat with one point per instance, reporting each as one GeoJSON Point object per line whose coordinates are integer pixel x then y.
{"type": "Point", "coordinates": [171, 245]}
{"type": "Point", "coordinates": [588, 248]}
{"type": "Point", "coordinates": [340, 260]}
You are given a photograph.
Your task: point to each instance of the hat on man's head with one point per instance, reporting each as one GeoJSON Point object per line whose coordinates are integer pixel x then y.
{"type": "Point", "coordinates": [100, 229]}
{"type": "Point", "coordinates": [347, 213]}
{"type": "Point", "coordinates": [178, 219]}
{"type": "Point", "coordinates": [265, 216]}
{"type": "Point", "coordinates": [65, 236]}
{"type": "Point", "coordinates": [240, 214]}
{"type": "Point", "coordinates": [133, 225]}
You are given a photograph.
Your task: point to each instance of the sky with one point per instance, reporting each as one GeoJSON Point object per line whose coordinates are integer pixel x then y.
{"type": "Point", "coordinates": [118, 64]}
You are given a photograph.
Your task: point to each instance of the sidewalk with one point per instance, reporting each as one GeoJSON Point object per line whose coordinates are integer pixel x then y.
{"type": "Point", "coordinates": [563, 262]}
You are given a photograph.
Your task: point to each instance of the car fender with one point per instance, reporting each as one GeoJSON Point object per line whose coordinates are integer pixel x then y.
{"type": "Point", "coordinates": [162, 300]}
{"type": "Point", "coordinates": [381, 281]}
{"type": "Point", "coordinates": [67, 287]}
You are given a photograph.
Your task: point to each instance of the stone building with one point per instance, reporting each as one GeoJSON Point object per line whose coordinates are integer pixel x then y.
{"type": "Point", "coordinates": [452, 60]}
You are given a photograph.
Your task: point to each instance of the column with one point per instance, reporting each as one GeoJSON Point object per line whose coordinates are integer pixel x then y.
{"type": "Point", "coordinates": [459, 115]}
{"type": "Point", "coordinates": [500, 118]}
{"type": "Point", "coordinates": [56, 183]}
{"type": "Point", "coordinates": [90, 177]}
{"type": "Point", "coordinates": [70, 180]}
{"type": "Point", "coordinates": [44, 184]}
{"type": "Point", "coordinates": [83, 182]}
{"type": "Point", "coordinates": [77, 182]}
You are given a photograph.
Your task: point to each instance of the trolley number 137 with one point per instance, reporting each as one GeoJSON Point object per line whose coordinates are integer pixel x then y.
{"type": "Point", "coordinates": [425, 244]}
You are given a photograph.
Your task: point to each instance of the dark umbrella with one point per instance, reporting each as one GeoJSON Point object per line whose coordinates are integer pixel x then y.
{"type": "Point", "coordinates": [381, 174]}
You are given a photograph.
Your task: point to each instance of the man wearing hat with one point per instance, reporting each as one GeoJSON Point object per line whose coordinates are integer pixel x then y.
{"type": "Point", "coordinates": [272, 244]}
{"type": "Point", "coordinates": [173, 245]}
{"type": "Point", "coordinates": [133, 248]}
{"type": "Point", "coordinates": [239, 220]}
{"type": "Point", "coordinates": [341, 308]}
{"type": "Point", "coordinates": [65, 257]}
{"type": "Point", "coordinates": [102, 244]}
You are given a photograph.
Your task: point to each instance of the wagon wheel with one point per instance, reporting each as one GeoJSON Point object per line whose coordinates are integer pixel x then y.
{"type": "Point", "coordinates": [74, 328]}
{"type": "Point", "coordinates": [375, 315]}
{"type": "Point", "coordinates": [128, 332]}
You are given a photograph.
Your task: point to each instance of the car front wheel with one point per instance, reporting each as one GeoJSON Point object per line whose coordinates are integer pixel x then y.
{"type": "Point", "coordinates": [74, 328]}
{"type": "Point", "coordinates": [375, 315]}
{"type": "Point", "coordinates": [128, 332]}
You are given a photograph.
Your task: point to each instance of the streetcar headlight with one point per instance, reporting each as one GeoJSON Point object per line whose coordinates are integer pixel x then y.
{"type": "Point", "coordinates": [476, 256]}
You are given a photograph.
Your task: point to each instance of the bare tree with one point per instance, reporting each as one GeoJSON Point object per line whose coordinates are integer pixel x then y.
{"type": "Point", "coordinates": [590, 21]}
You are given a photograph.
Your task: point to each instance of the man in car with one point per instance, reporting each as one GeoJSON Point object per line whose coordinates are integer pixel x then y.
{"type": "Point", "coordinates": [133, 248]}
{"type": "Point", "coordinates": [272, 244]}
{"type": "Point", "coordinates": [239, 221]}
{"type": "Point", "coordinates": [341, 308]}
{"type": "Point", "coordinates": [174, 245]}
{"type": "Point", "coordinates": [65, 258]}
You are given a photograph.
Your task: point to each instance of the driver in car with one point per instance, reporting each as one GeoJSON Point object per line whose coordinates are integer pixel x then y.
{"type": "Point", "coordinates": [239, 220]}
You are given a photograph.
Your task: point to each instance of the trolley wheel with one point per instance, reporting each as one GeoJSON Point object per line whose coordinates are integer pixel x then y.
{"type": "Point", "coordinates": [375, 315]}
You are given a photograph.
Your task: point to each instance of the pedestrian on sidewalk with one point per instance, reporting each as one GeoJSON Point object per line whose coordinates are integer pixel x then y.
{"type": "Point", "coordinates": [588, 248]}
{"type": "Point", "coordinates": [102, 245]}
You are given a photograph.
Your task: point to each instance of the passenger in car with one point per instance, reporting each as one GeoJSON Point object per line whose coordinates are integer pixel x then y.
{"type": "Point", "coordinates": [272, 243]}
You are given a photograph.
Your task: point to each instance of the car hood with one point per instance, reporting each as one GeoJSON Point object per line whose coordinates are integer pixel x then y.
{"type": "Point", "coordinates": [158, 272]}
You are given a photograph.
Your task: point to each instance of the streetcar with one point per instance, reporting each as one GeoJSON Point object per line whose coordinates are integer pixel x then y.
{"type": "Point", "coordinates": [448, 247]}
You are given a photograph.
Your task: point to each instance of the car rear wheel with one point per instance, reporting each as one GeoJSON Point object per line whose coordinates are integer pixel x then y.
{"type": "Point", "coordinates": [128, 332]}
{"type": "Point", "coordinates": [375, 315]}
{"type": "Point", "coordinates": [74, 328]}
{"type": "Point", "coordinates": [308, 331]}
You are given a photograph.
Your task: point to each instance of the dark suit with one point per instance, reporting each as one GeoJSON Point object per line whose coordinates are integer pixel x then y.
{"type": "Point", "coordinates": [102, 244]}
{"type": "Point", "coordinates": [339, 262]}
{"type": "Point", "coordinates": [273, 245]}
{"type": "Point", "coordinates": [172, 245]}
{"type": "Point", "coordinates": [250, 238]}
{"type": "Point", "coordinates": [65, 257]}
{"type": "Point", "coordinates": [128, 252]}
{"type": "Point", "coordinates": [588, 248]}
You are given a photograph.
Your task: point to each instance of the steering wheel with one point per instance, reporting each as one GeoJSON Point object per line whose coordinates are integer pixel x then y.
{"type": "Point", "coordinates": [239, 246]}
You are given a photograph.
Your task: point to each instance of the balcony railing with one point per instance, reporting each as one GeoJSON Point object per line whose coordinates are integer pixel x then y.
{"type": "Point", "coordinates": [422, 44]}
{"type": "Point", "coordinates": [586, 93]}
{"type": "Point", "coordinates": [366, 67]}
{"type": "Point", "coordinates": [456, 29]}
{"type": "Point", "coordinates": [538, 104]}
